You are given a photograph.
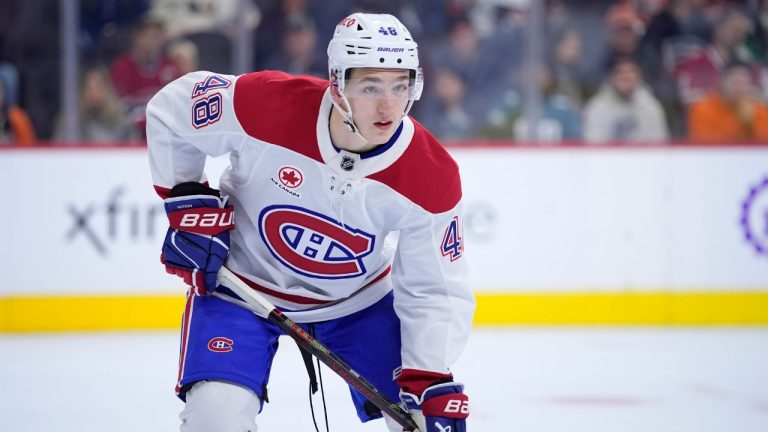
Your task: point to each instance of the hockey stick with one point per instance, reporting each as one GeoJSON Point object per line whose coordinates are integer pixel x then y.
{"type": "Point", "coordinates": [263, 308]}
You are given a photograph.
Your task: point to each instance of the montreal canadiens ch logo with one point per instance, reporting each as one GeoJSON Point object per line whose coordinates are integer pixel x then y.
{"type": "Point", "coordinates": [290, 177]}
{"type": "Point", "coordinates": [313, 244]}
{"type": "Point", "coordinates": [220, 344]}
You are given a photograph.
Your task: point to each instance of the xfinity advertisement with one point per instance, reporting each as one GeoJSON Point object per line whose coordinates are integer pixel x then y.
{"type": "Point", "coordinates": [82, 221]}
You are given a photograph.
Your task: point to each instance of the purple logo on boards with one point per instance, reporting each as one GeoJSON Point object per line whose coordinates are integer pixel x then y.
{"type": "Point", "coordinates": [754, 217]}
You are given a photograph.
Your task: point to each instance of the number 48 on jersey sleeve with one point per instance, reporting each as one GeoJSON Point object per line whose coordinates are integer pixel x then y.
{"type": "Point", "coordinates": [452, 245]}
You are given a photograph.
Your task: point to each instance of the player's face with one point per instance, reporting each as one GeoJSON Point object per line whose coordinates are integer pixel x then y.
{"type": "Point", "coordinates": [378, 98]}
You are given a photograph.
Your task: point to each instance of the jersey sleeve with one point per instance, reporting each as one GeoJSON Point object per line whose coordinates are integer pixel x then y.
{"type": "Point", "coordinates": [432, 296]}
{"type": "Point", "coordinates": [190, 118]}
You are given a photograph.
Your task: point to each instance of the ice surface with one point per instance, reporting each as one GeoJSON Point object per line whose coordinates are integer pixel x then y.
{"type": "Point", "coordinates": [518, 379]}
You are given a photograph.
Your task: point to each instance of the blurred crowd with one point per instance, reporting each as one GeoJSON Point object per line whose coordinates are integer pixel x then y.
{"type": "Point", "coordinates": [610, 71]}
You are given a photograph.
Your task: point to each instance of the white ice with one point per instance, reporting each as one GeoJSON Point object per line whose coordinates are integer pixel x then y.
{"type": "Point", "coordinates": [518, 379]}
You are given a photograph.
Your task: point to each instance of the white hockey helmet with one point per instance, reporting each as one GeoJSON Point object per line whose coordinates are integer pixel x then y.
{"type": "Point", "coordinates": [378, 41]}
{"type": "Point", "coordinates": [373, 41]}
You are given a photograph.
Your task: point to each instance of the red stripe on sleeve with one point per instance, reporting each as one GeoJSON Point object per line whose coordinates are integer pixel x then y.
{"type": "Point", "coordinates": [164, 193]}
{"type": "Point", "coordinates": [415, 381]}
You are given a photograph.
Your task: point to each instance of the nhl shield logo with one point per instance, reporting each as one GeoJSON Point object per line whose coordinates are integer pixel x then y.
{"type": "Point", "coordinates": [347, 163]}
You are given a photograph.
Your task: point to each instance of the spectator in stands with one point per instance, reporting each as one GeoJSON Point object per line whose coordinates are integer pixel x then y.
{"type": "Point", "coordinates": [210, 24]}
{"type": "Point", "coordinates": [32, 45]}
{"type": "Point", "coordinates": [15, 126]}
{"type": "Point", "coordinates": [138, 74]}
{"type": "Point", "coordinates": [700, 73]}
{"type": "Point", "coordinates": [668, 36]}
{"type": "Point", "coordinates": [447, 116]}
{"type": "Point", "coordinates": [757, 43]}
{"type": "Point", "coordinates": [623, 29]}
{"type": "Point", "coordinates": [103, 117]}
{"type": "Point", "coordinates": [476, 61]}
{"type": "Point", "coordinates": [144, 69]}
{"type": "Point", "coordinates": [645, 9]}
{"type": "Point", "coordinates": [757, 40]}
{"type": "Point", "coordinates": [269, 33]}
{"type": "Point", "coordinates": [558, 17]}
{"type": "Point", "coordinates": [624, 110]}
{"type": "Point", "coordinates": [558, 120]}
{"type": "Point", "coordinates": [9, 74]}
{"type": "Point", "coordinates": [567, 66]}
{"type": "Point", "coordinates": [185, 17]}
{"type": "Point", "coordinates": [184, 55]}
{"type": "Point", "coordinates": [299, 54]}
{"type": "Point", "coordinates": [105, 27]}
{"type": "Point", "coordinates": [426, 19]}
{"type": "Point", "coordinates": [670, 23]}
{"type": "Point", "coordinates": [730, 114]}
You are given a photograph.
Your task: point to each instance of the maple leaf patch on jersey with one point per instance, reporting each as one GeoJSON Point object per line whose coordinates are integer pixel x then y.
{"type": "Point", "coordinates": [312, 244]}
{"type": "Point", "coordinates": [290, 177]}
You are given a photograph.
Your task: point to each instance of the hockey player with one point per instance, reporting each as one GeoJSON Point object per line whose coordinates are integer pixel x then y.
{"type": "Point", "coordinates": [337, 207]}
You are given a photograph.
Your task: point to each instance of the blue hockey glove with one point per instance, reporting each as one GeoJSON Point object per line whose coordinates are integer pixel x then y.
{"type": "Point", "coordinates": [197, 242]}
{"type": "Point", "coordinates": [441, 408]}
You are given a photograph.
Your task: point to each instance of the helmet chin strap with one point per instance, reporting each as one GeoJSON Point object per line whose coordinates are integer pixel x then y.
{"type": "Point", "coordinates": [347, 116]}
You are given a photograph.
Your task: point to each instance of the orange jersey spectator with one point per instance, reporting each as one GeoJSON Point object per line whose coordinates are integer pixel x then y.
{"type": "Point", "coordinates": [15, 125]}
{"type": "Point", "coordinates": [730, 114]}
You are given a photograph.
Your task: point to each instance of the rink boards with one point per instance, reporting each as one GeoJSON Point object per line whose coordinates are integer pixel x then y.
{"type": "Point", "coordinates": [567, 235]}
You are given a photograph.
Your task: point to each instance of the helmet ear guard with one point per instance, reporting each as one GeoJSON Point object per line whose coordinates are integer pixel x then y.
{"type": "Point", "coordinates": [418, 83]}
{"type": "Point", "coordinates": [346, 109]}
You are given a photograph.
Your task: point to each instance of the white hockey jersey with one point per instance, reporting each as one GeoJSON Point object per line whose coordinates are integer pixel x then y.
{"type": "Point", "coordinates": [322, 232]}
